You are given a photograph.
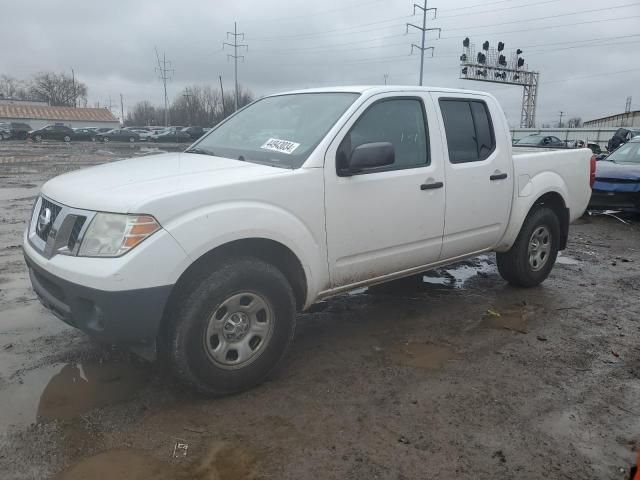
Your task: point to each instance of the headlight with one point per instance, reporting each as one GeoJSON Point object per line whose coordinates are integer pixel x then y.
{"type": "Point", "coordinates": [112, 234]}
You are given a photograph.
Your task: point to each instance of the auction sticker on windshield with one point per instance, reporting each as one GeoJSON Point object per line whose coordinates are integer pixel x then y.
{"type": "Point", "coordinates": [281, 146]}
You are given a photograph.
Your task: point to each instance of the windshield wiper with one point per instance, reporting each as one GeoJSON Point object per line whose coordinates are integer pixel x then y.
{"type": "Point", "coordinates": [201, 151]}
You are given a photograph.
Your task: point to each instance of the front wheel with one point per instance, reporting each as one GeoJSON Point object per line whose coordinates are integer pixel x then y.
{"type": "Point", "coordinates": [232, 327]}
{"type": "Point", "coordinates": [532, 256]}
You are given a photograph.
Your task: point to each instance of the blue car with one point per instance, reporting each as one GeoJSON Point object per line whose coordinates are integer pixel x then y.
{"type": "Point", "coordinates": [617, 185]}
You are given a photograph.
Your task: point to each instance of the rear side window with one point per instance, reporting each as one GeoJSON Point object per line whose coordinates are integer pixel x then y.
{"type": "Point", "coordinates": [469, 130]}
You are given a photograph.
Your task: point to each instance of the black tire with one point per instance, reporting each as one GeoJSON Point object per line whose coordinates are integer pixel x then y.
{"type": "Point", "coordinates": [514, 266]}
{"type": "Point", "coordinates": [188, 321]}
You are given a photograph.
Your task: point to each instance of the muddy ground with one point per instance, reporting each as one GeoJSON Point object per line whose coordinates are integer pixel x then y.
{"type": "Point", "coordinates": [458, 376]}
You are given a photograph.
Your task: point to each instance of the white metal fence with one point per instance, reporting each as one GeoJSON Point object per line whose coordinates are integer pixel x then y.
{"type": "Point", "coordinates": [597, 135]}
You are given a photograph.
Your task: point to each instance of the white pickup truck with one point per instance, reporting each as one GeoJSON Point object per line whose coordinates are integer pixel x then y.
{"type": "Point", "coordinates": [207, 255]}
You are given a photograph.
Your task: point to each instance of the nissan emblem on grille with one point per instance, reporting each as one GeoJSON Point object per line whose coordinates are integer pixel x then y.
{"type": "Point", "coordinates": [44, 220]}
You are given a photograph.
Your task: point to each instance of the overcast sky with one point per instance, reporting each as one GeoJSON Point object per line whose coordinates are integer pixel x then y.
{"type": "Point", "coordinates": [586, 51]}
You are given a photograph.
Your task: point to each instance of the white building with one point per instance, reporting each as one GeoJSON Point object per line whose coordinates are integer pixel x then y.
{"type": "Point", "coordinates": [628, 119]}
{"type": "Point", "coordinates": [37, 116]}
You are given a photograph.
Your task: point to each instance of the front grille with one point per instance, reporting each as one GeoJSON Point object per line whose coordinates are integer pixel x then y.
{"type": "Point", "coordinates": [75, 232]}
{"type": "Point", "coordinates": [43, 233]}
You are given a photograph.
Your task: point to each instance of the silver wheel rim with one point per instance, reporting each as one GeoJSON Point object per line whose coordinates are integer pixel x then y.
{"type": "Point", "coordinates": [239, 330]}
{"type": "Point", "coordinates": [67, 138]}
{"type": "Point", "coordinates": [131, 139]}
{"type": "Point", "coordinates": [539, 248]}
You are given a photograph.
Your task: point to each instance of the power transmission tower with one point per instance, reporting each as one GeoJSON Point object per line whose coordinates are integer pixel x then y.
{"type": "Point", "coordinates": [560, 123]}
{"type": "Point", "coordinates": [164, 72]}
{"type": "Point", "coordinates": [235, 55]}
{"type": "Point", "coordinates": [424, 30]}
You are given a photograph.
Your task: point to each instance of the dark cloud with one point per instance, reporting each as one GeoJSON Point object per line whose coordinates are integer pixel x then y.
{"type": "Point", "coordinates": [577, 46]}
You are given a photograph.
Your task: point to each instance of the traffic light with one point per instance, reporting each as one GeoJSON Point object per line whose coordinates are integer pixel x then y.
{"type": "Point", "coordinates": [465, 42]}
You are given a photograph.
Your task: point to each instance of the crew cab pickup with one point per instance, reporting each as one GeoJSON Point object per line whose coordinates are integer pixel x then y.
{"type": "Point", "coordinates": [207, 255]}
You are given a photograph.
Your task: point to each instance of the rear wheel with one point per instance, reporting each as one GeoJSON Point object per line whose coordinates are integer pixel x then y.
{"type": "Point", "coordinates": [232, 327]}
{"type": "Point", "coordinates": [532, 256]}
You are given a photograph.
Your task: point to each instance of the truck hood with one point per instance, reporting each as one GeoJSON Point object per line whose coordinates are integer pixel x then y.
{"type": "Point", "coordinates": [126, 186]}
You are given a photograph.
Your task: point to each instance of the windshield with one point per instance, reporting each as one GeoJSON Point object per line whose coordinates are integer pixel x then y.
{"type": "Point", "coordinates": [281, 131]}
{"type": "Point", "coordinates": [627, 153]}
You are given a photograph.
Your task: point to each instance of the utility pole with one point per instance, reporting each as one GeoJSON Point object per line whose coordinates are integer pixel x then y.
{"type": "Point", "coordinates": [75, 92]}
{"type": "Point", "coordinates": [110, 104]}
{"type": "Point", "coordinates": [187, 95]}
{"type": "Point", "coordinates": [122, 110]}
{"type": "Point", "coordinates": [164, 74]}
{"type": "Point", "coordinates": [424, 30]}
{"type": "Point", "coordinates": [560, 123]}
{"type": "Point", "coordinates": [235, 55]}
{"type": "Point", "coordinates": [386, 77]}
{"type": "Point", "coordinates": [224, 112]}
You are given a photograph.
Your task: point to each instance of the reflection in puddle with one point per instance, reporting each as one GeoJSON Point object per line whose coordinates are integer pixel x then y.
{"type": "Point", "coordinates": [458, 274]}
{"type": "Point", "coordinates": [564, 260]}
{"type": "Point", "coordinates": [66, 391]}
{"type": "Point", "coordinates": [221, 462]}
{"type": "Point", "coordinates": [515, 319]}
{"type": "Point", "coordinates": [421, 355]}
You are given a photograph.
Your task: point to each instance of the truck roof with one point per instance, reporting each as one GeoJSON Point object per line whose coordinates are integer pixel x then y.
{"type": "Point", "coordinates": [373, 89]}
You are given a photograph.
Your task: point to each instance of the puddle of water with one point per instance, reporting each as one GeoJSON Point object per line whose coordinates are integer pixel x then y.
{"type": "Point", "coordinates": [457, 275]}
{"type": "Point", "coordinates": [221, 462]}
{"type": "Point", "coordinates": [564, 260]}
{"type": "Point", "coordinates": [427, 356]}
{"type": "Point", "coordinates": [514, 319]}
{"type": "Point", "coordinates": [65, 391]}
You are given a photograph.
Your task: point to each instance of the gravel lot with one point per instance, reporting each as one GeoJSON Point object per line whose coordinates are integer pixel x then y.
{"type": "Point", "coordinates": [414, 381]}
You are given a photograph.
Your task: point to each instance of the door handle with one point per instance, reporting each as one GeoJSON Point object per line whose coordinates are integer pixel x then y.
{"type": "Point", "coordinates": [498, 176]}
{"type": "Point", "coordinates": [431, 186]}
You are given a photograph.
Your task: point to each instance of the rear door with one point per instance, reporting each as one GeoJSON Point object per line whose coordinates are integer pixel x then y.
{"type": "Point", "coordinates": [478, 173]}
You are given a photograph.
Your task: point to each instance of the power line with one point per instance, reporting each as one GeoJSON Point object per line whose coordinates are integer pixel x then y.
{"type": "Point", "coordinates": [165, 73]}
{"type": "Point", "coordinates": [235, 55]}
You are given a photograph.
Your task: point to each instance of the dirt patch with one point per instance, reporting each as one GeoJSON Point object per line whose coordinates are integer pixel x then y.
{"type": "Point", "coordinates": [221, 462]}
{"type": "Point", "coordinates": [421, 355]}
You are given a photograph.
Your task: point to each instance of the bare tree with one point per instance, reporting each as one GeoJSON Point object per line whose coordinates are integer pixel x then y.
{"type": "Point", "coordinates": [58, 89]}
{"type": "Point", "coordinates": [13, 87]}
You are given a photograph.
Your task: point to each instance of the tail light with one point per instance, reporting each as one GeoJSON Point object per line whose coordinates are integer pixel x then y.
{"type": "Point", "coordinates": [592, 173]}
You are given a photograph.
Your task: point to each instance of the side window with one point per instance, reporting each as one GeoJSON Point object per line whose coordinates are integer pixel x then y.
{"type": "Point", "coordinates": [400, 122]}
{"type": "Point", "coordinates": [469, 131]}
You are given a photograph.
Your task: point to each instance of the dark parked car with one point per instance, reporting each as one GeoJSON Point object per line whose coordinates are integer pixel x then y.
{"type": "Point", "coordinates": [194, 132]}
{"type": "Point", "coordinates": [118, 135]}
{"type": "Point", "coordinates": [169, 135]}
{"type": "Point", "coordinates": [83, 134]}
{"type": "Point", "coordinates": [541, 140]}
{"type": "Point", "coordinates": [617, 185]}
{"type": "Point", "coordinates": [14, 130]}
{"type": "Point", "coordinates": [51, 132]}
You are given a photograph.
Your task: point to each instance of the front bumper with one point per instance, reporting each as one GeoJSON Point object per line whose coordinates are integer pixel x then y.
{"type": "Point", "coordinates": [116, 317]}
{"type": "Point", "coordinates": [613, 200]}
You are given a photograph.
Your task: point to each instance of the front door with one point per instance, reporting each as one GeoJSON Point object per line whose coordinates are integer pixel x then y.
{"type": "Point", "coordinates": [389, 219]}
{"type": "Point", "coordinates": [478, 172]}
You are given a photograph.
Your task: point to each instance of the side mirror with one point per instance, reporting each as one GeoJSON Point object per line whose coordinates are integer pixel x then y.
{"type": "Point", "coordinates": [368, 156]}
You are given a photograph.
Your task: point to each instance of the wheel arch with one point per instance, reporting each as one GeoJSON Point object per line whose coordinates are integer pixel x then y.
{"type": "Point", "coordinates": [271, 251]}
